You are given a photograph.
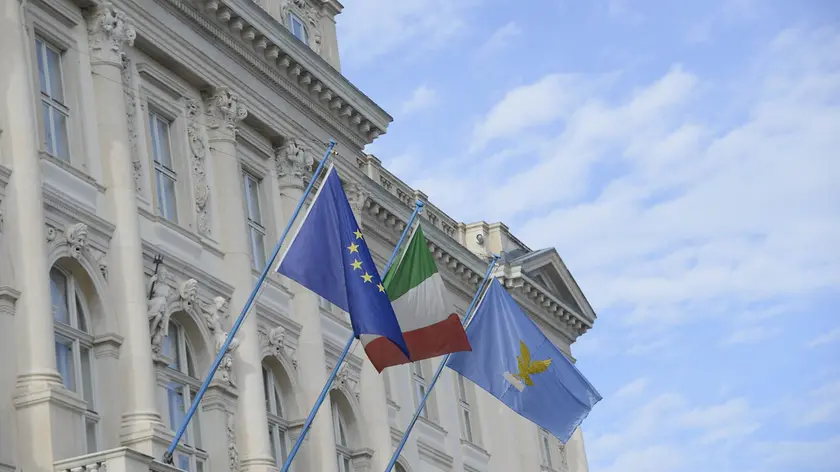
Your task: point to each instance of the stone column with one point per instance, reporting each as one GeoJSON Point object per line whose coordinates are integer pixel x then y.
{"type": "Point", "coordinates": [37, 377]}
{"type": "Point", "coordinates": [224, 110]}
{"type": "Point", "coordinates": [293, 160]}
{"type": "Point", "coordinates": [109, 31]}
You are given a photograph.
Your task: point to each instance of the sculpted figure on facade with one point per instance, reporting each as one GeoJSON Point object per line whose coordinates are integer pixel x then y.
{"type": "Point", "coordinates": [76, 235]}
{"type": "Point", "coordinates": [357, 196]}
{"type": "Point", "coordinates": [293, 160]}
{"type": "Point", "coordinates": [157, 307]}
{"type": "Point", "coordinates": [233, 452]}
{"type": "Point", "coordinates": [213, 316]}
{"type": "Point", "coordinates": [108, 30]}
{"type": "Point", "coordinates": [198, 149]}
{"type": "Point", "coordinates": [224, 109]}
{"type": "Point", "coordinates": [277, 341]}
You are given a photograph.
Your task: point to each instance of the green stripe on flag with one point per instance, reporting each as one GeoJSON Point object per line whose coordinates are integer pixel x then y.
{"type": "Point", "coordinates": [416, 265]}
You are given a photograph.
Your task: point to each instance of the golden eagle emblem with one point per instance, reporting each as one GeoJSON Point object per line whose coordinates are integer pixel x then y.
{"type": "Point", "coordinates": [527, 368]}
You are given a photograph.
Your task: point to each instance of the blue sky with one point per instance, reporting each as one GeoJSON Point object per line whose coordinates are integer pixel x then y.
{"type": "Point", "coordinates": [684, 158]}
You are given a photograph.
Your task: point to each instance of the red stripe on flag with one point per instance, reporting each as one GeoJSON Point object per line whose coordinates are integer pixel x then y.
{"type": "Point", "coordinates": [434, 340]}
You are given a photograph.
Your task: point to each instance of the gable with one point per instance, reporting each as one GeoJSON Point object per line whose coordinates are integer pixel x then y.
{"type": "Point", "coordinates": [546, 268]}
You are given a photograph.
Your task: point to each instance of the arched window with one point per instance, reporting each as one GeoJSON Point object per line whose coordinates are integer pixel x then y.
{"type": "Point", "coordinates": [296, 26]}
{"type": "Point", "coordinates": [399, 468]}
{"type": "Point", "coordinates": [181, 387]}
{"type": "Point", "coordinates": [277, 424]}
{"type": "Point", "coordinates": [342, 444]}
{"type": "Point", "coordinates": [73, 346]}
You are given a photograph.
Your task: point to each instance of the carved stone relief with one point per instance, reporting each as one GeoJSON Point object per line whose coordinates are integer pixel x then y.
{"type": "Point", "coordinates": [347, 381]}
{"type": "Point", "coordinates": [75, 236]}
{"type": "Point", "coordinates": [156, 307]}
{"type": "Point", "coordinates": [274, 341]}
{"type": "Point", "coordinates": [233, 453]}
{"type": "Point", "coordinates": [131, 117]}
{"type": "Point", "coordinates": [224, 109]}
{"type": "Point", "coordinates": [314, 20]}
{"type": "Point", "coordinates": [213, 316]}
{"type": "Point", "coordinates": [198, 149]}
{"type": "Point", "coordinates": [2, 209]}
{"type": "Point", "coordinates": [293, 161]}
{"type": "Point", "coordinates": [357, 196]}
{"type": "Point", "coordinates": [108, 29]}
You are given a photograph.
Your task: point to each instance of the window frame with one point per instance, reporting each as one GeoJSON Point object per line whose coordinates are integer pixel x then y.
{"type": "Point", "coordinates": [545, 449]}
{"type": "Point", "coordinates": [80, 338]}
{"type": "Point", "coordinates": [278, 426]}
{"type": "Point", "coordinates": [159, 168]}
{"type": "Point", "coordinates": [47, 99]}
{"type": "Point", "coordinates": [418, 380]}
{"type": "Point", "coordinates": [180, 372]}
{"type": "Point", "coordinates": [292, 18]}
{"type": "Point", "coordinates": [344, 456]}
{"type": "Point", "coordinates": [466, 419]}
{"type": "Point", "coordinates": [258, 226]}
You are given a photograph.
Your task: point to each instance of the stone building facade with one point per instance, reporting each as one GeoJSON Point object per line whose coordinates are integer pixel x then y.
{"type": "Point", "coordinates": [187, 129]}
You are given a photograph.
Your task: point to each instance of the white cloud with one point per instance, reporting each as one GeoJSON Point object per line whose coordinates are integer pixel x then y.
{"type": "Point", "coordinates": [499, 40]}
{"type": "Point", "coordinates": [821, 406]}
{"type": "Point", "coordinates": [422, 98]}
{"type": "Point", "coordinates": [826, 338]}
{"type": "Point", "coordinates": [369, 29]}
{"type": "Point", "coordinates": [699, 218]}
{"type": "Point", "coordinates": [803, 456]}
{"type": "Point", "coordinates": [632, 389]}
{"type": "Point", "coordinates": [619, 10]}
{"type": "Point", "coordinates": [748, 335]}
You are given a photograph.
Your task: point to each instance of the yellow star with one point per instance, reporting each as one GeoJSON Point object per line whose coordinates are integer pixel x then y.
{"type": "Point", "coordinates": [367, 277]}
{"type": "Point", "coordinates": [357, 264]}
{"type": "Point", "coordinates": [380, 287]}
{"type": "Point", "coordinates": [353, 248]}
{"type": "Point", "coordinates": [358, 234]}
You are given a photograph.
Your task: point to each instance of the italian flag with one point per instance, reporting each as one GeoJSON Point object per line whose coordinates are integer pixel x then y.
{"type": "Point", "coordinates": [429, 325]}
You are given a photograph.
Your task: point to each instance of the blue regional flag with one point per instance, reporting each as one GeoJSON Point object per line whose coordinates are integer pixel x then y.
{"type": "Point", "coordinates": [515, 362]}
{"type": "Point", "coordinates": [329, 256]}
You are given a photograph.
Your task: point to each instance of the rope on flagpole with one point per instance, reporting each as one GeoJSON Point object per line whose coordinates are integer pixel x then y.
{"type": "Point", "coordinates": [418, 205]}
{"type": "Point", "coordinates": [167, 456]}
{"type": "Point", "coordinates": [467, 320]}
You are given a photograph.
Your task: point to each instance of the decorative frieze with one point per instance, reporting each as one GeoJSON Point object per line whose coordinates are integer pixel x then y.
{"type": "Point", "coordinates": [108, 30]}
{"type": "Point", "coordinates": [198, 150]}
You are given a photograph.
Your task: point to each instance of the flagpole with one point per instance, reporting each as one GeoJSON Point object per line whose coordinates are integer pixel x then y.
{"type": "Point", "coordinates": [418, 205]}
{"type": "Point", "coordinates": [167, 456]}
{"type": "Point", "coordinates": [467, 321]}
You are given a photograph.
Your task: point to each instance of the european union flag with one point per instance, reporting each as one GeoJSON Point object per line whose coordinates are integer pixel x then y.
{"type": "Point", "coordinates": [514, 361]}
{"type": "Point", "coordinates": [329, 256]}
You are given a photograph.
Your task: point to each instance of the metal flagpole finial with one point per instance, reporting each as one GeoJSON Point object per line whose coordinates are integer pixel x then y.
{"type": "Point", "coordinates": [419, 203]}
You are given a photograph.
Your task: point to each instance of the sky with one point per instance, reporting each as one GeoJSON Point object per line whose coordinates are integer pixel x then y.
{"type": "Point", "coordinates": [684, 159]}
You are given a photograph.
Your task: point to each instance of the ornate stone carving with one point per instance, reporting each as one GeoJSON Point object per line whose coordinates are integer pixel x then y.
{"type": "Point", "coordinates": [2, 209]}
{"type": "Point", "coordinates": [108, 29]}
{"type": "Point", "coordinates": [348, 382]}
{"type": "Point", "coordinates": [156, 307]}
{"type": "Point", "coordinates": [277, 341]}
{"type": "Point", "coordinates": [357, 196]}
{"type": "Point", "coordinates": [76, 235]}
{"type": "Point", "coordinates": [564, 461]}
{"type": "Point", "coordinates": [224, 109]}
{"type": "Point", "coordinates": [213, 316]}
{"type": "Point", "coordinates": [314, 20]}
{"type": "Point", "coordinates": [293, 160]}
{"type": "Point", "coordinates": [233, 453]}
{"type": "Point", "coordinates": [131, 117]}
{"type": "Point", "coordinates": [188, 295]}
{"type": "Point", "coordinates": [198, 149]}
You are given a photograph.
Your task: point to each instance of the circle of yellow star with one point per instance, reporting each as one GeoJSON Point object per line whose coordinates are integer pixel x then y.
{"type": "Point", "coordinates": [380, 287]}
{"type": "Point", "coordinates": [358, 234]}
{"type": "Point", "coordinates": [353, 248]}
{"type": "Point", "coordinates": [367, 277]}
{"type": "Point", "coordinates": [357, 264]}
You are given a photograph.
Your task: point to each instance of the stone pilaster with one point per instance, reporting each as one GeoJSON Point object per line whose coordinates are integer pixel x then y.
{"type": "Point", "coordinates": [294, 161]}
{"type": "Point", "coordinates": [109, 31]}
{"type": "Point", "coordinates": [224, 111]}
{"type": "Point", "coordinates": [36, 375]}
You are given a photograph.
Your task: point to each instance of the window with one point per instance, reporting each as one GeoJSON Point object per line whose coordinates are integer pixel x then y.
{"type": "Point", "coordinates": [419, 387]}
{"type": "Point", "coordinates": [545, 448]}
{"type": "Point", "coordinates": [342, 446]}
{"type": "Point", "coordinates": [73, 346]}
{"type": "Point", "coordinates": [53, 103]}
{"type": "Point", "coordinates": [165, 176]}
{"type": "Point", "coordinates": [256, 230]}
{"type": "Point", "coordinates": [182, 385]}
{"type": "Point", "coordinates": [324, 304]}
{"type": "Point", "coordinates": [466, 412]}
{"type": "Point", "coordinates": [277, 425]}
{"type": "Point", "coordinates": [297, 28]}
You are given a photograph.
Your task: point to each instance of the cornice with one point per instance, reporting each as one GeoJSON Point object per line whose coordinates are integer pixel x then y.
{"type": "Point", "coordinates": [547, 303]}
{"type": "Point", "coordinates": [268, 48]}
{"type": "Point", "coordinates": [180, 269]}
{"type": "Point", "coordinates": [62, 210]}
